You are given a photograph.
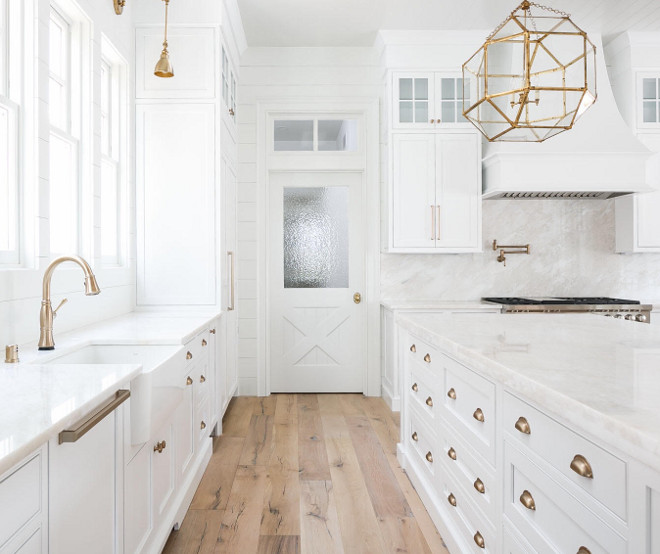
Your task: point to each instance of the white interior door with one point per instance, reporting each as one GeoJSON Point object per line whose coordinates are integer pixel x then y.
{"type": "Point", "coordinates": [229, 282]}
{"type": "Point", "coordinates": [316, 265]}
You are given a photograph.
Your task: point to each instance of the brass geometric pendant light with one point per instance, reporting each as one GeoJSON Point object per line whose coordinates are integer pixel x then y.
{"type": "Point", "coordinates": [533, 77]}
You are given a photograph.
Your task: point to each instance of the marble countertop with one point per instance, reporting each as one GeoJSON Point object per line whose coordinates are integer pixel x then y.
{"type": "Point", "coordinates": [38, 401]}
{"type": "Point", "coordinates": [440, 305]}
{"type": "Point", "coordinates": [601, 375]}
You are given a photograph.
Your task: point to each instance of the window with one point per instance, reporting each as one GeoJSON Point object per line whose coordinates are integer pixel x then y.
{"type": "Point", "coordinates": [113, 142]}
{"type": "Point", "coordinates": [650, 100]}
{"type": "Point", "coordinates": [315, 135]}
{"type": "Point", "coordinates": [451, 99]}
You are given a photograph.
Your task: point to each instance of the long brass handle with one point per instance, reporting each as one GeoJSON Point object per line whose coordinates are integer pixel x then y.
{"type": "Point", "coordinates": [202, 379]}
{"type": "Point", "coordinates": [202, 425]}
{"type": "Point", "coordinates": [479, 486]}
{"type": "Point", "coordinates": [189, 355]}
{"type": "Point", "coordinates": [478, 415]}
{"type": "Point", "coordinates": [523, 426]}
{"type": "Point", "coordinates": [438, 225]}
{"type": "Point", "coordinates": [451, 453]}
{"type": "Point", "coordinates": [581, 466]}
{"type": "Point", "coordinates": [160, 446]}
{"type": "Point", "coordinates": [527, 500]}
{"type": "Point", "coordinates": [413, 349]}
{"type": "Point", "coordinates": [481, 543]}
{"type": "Point", "coordinates": [429, 402]}
{"type": "Point", "coordinates": [429, 457]}
{"type": "Point", "coordinates": [432, 223]}
{"type": "Point", "coordinates": [204, 343]}
{"type": "Point", "coordinates": [414, 436]}
{"type": "Point", "coordinates": [89, 422]}
{"type": "Point", "coordinates": [189, 380]}
{"type": "Point", "coordinates": [427, 358]}
{"type": "Point", "coordinates": [451, 499]}
{"type": "Point", "coordinates": [231, 281]}
{"type": "Point", "coordinates": [414, 387]}
{"type": "Point", "coordinates": [451, 393]}
{"type": "Point", "coordinates": [584, 550]}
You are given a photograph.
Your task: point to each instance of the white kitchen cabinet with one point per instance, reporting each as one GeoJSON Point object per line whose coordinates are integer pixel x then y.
{"type": "Point", "coordinates": [644, 498]}
{"type": "Point", "coordinates": [138, 523]}
{"type": "Point", "coordinates": [229, 279]}
{"type": "Point", "coordinates": [185, 438]}
{"type": "Point", "coordinates": [163, 454]}
{"type": "Point", "coordinates": [427, 100]}
{"type": "Point", "coordinates": [436, 192]}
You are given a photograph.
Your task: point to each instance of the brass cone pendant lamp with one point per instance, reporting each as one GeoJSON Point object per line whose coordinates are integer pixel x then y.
{"type": "Point", "coordinates": [163, 66]}
{"type": "Point", "coordinates": [533, 77]}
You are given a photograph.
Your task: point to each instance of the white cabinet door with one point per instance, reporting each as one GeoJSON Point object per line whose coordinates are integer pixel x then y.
{"type": "Point", "coordinates": [413, 191]}
{"type": "Point", "coordinates": [162, 471]}
{"type": "Point", "coordinates": [230, 274]}
{"type": "Point", "coordinates": [137, 500]}
{"type": "Point", "coordinates": [185, 445]}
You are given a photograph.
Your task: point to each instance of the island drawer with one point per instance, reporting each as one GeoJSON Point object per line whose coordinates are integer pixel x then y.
{"type": "Point", "coordinates": [595, 470]}
{"type": "Point", "coordinates": [423, 390]}
{"type": "Point", "coordinates": [550, 518]}
{"type": "Point", "coordinates": [197, 347]}
{"type": "Point", "coordinates": [422, 444]}
{"type": "Point", "coordinates": [421, 352]}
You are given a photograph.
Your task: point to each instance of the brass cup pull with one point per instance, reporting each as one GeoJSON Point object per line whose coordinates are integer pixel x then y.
{"type": "Point", "coordinates": [413, 349]}
{"type": "Point", "coordinates": [415, 387]}
{"type": "Point", "coordinates": [160, 446]}
{"type": "Point", "coordinates": [429, 402]}
{"type": "Point", "coordinates": [189, 380]}
{"type": "Point", "coordinates": [451, 393]}
{"type": "Point", "coordinates": [202, 379]}
{"type": "Point", "coordinates": [427, 358]}
{"type": "Point", "coordinates": [527, 500]}
{"type": "Point", "coordinates": [204, 343]}
{"type": "Point", "coordinates": [478, 415]}
{"type": "Point", "coordinates": [581, 466]}
{"type": "Point", "coordinates": [202, 425]}
{"type": "Point", "coordinates": [479, 540]}
{"type": "Point", "coordinates": [429, 457]}
{"type": "Point", "coordinates": [231, 112]}
{"type": "Point", "coordinates": [523, 426]}
{"type": "Point", "coordinates": [433, 121]}
{"type": "Point", "coordinates": [414, 436]}
{"type": "Point", "coordinates": [212, 331]}
{"type": "Point", "coordinates": [479, 486]}
{"type": "Point", "coordinates": [189, 355]}
{"type": "Point", "coordinates": [451, 499]}
{"type": "Point", "coordinates": [584, 550]}
{"type": "Point", "coordinates": [451, 453]}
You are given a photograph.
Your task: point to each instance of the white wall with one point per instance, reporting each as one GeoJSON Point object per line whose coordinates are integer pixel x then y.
{"type": "Point", "coordinates": [20, 289]}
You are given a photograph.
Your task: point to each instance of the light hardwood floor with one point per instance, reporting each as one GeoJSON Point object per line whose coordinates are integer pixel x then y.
{"type": "Point", "coordinates": [310, 473]}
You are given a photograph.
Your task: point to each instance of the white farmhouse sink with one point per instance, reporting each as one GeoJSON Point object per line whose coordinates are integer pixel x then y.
{"type": "Point", "coordinates": [155, 392]}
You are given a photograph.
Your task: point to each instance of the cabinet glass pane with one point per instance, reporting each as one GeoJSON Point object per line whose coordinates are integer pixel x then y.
{"type": "Point", "coordinates": [315, 225]}
{"type": "Point", "coordinates": [421, 112]}
{"type": "Point", "coordinates": [293, 135]}
{"type": "Point", "coordinates": [650, 113]}
{"type": "Point", "coordinates": [448, 111]}
{"type": "Point", "coordinates": [448, 89]}
{"type": "Point", "coordinates": [406, 112]}
{"type": "Point", "coordinates": [421, 89]}
{"type": "Point", "coordinates": [338, 135]}
{"type": "Point", "coordinates": [405, 89]}
{"type": "Point", "coordinates": [650, 89]}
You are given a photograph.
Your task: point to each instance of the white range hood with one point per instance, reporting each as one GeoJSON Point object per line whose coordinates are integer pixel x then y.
{"type": "Point", "coordinates": [599, 158]}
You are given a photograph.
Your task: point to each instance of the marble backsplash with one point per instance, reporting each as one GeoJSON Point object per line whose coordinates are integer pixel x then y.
{"type": "Point", "coordinates": [572, 254]}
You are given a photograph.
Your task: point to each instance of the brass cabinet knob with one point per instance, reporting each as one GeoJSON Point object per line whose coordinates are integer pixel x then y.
{"type": "Point", "coordinates": [429, 457]}
{"type": "Point", "coordinates": [160, 446]}
{"type": "Point", "coordinates": [415, 387]}
{"type": "Point", "coordinates": [451, 453]}
{"type": "Point", "coordinates": [202, 379]}
{"type": "Point", "coordinates": [479, 540]}
{"type": "Point", "coordinates": [581, 466]}
{"type": "Point", "coordinates": [189, 355]}
{"type": "Point", "coordinates": [427, 358]}
{"type": "Point", "coordinates": [202, 425]}
{"type": "Point", "coordinates": [433, 121]}
{"type": "Point", "coordinates": [478, 415]}
{"type": "Point", "coordinates": [451, 393]}
{"type": "Point", "coordinates": [583, 550]}
{"type": "Point", "coordinates": [523, 426]}
{"type": "Point", "coordinates": [479, 486]}
{"type": "Point", "coordinates": [413, 349]}
{"type": "Point", "coordinates": [527, 500]}
{"type": "Point", "coordinates": [189, 380]}
{"type": "Point", "coordinates": [231, 111]}
{"type": "Point", "coordinates": [429, 402]}
{"type": "Point", "coordinates": [204, 343]}
{"type": "Point", "coordinates": [451, 499]}
{"type": "Point", "coordinates": [212, 331]}
{"type": "Point", "coordinates": [414, 436]}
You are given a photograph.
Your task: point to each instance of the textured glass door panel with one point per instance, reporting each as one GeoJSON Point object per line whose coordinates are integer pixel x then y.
{"type": "Point", "coordinates": [337, 135]}
{"type": "Point", "coordinates": [293, 135]}
{"type": "Point", "coordinates": [315, 221]}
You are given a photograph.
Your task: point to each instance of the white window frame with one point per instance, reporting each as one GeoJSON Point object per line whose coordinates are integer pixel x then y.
{"type": "Point", "coordinates": [639, 100]}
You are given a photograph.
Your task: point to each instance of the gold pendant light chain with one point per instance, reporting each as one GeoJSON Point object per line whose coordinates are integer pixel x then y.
{"type": "Point", "coordinates": [167, 4]}
{"type": "Point", "coordinates": [525, 5]}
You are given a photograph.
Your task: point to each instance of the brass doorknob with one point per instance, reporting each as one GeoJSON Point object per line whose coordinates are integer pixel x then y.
{"type": "Point", "coordinates": [357, 298]}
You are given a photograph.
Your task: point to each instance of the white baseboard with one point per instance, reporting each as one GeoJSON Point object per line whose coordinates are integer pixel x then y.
{"type": "Point", "coordinates": [392, 400]}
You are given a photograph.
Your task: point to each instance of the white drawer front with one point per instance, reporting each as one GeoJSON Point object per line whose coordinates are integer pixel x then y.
{"type": "Point", "coordinates": [559, 446]}
{"type": "Point", "coordinates": [423, 391]}
{"type": "Point", "coordinates": [548, 516]}
{"type": "Point", "coordinates": [512, 543]}
{"type": "Point", "coordinates": [421, 352]}
{"type": "Point", "coordinates": [422, 443]}
{"type": "Point", "coordinates": [20, 497]}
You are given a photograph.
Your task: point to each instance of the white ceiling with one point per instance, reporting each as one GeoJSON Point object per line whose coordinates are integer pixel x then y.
{"type": "Point", "coordinates": [356, 22]}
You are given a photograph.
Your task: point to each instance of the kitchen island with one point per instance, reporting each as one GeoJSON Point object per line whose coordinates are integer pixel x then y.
{"type": "Point", "coordinates": [533, 432]}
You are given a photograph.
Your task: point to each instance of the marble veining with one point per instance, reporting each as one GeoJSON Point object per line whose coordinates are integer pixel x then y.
{"type": "Point", "coordinates": [596, 374]}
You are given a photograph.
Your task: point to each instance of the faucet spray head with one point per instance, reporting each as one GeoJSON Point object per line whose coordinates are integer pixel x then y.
{"type": "Point", "coordinates": [91, 286]}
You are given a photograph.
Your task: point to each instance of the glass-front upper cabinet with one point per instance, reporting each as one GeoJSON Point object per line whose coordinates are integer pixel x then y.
{"type": "Point", "coordinates": [648, 102]}
{"type": "Point", "coordinates": [427, 100]}
{"type": "Point", "coordinates": [228, 86]}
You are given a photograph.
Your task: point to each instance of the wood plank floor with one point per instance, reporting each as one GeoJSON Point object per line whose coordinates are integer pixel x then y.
{"type": "Point", "coordinates": [308, 473]}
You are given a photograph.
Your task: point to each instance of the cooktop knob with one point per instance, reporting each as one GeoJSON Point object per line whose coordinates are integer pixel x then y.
{"type": "Point", "coordinates": [640, 317]}
{"type": "Point", "coordinates": [618, 316]}
{"type": "Point", "coordinates": [630, 316]}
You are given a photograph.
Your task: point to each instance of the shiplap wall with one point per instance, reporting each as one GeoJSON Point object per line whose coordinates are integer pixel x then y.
{"type": "Point", "coordinates": [269, 75]}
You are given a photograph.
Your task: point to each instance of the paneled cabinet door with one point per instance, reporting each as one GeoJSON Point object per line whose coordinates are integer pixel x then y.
{"type": "Point", "coordinates": [185, 444]}
{"type": "Point", "coordinates": [230, 275]}
{"type": "Point", "coordinates": [644, 497]}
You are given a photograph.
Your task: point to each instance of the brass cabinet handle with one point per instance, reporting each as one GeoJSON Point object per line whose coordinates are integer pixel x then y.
{"type": "Point", "coordinates": [415, 387]}
{"type": "Point", "coordinates": [414, 436]}
{"type": "Point", "coordinates": [451, 453]}
{"type": "Point", "coordinates": [438, 235]}
{"type": "Point", "coordinates": [413, 349]}
{"type": "Point", "coordinates": [527, 500]}
{"type": "Point", "coordinates": [232, 271]}
{"type": "Point", "coordinates": [202, 379]}
{"type": "Point", "coordinates": [189, 355]}
{"type": "Point", "coordinates": [583, 550]}
{"type": "Point", "coordinates": [523, 426]}
{"type": "Point", "coordinates": [89, 422]}
{"type": "Point", "coordinates": [479, 486]}
{"type": "Point", "coordinates": [202, 425]}
{"type": "Point", "coordinates": [451, 394]}
{"type": "Point", "coordinates": [212, 331]}
{"type": "Point", "coordinates": [427, 358]}
{"type": "Point", "coordinates": [189, 380]}
{"type": "Point", "coordinates": [429, 402]}
{"type": "Point", "coordinates": [478, 415]}
{"type": "Point", "coordinates": [429, 457]}
{"type": "Point", "coordinates": [451, 499]}
{"type": "Point", "coordinates": [581, 466]}
{"type": "Point", "coordinates": [160, 446]}
{"type": "Point", "coordinates": [432, 223]}
{"type": "Point", "coordinates": [481, 543]}
{"type": "Point", "coordinates": [204, 343]}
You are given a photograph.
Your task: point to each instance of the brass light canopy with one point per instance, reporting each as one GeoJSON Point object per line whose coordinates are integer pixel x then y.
{"type": "Point", "coordinates": [163, 65]}
{"type": "Point", "coordinates": [533, 77]}
{"type": "Point", "coordinates": [119, 6]}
